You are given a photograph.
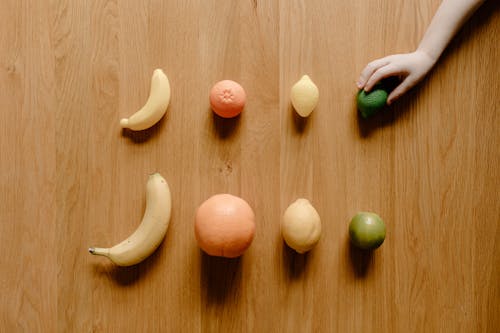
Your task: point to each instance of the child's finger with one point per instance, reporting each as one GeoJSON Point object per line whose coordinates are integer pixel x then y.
{"type": "Point", "coordinates": [370, 69]}
{"type": "Point", "coordinates": [401, 89]}
{"type": "Point", "coordinates": [381, 73]}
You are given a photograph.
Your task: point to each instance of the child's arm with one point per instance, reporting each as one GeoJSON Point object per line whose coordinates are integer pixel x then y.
{"type": "Point", "coordinates": [450, 16]}
{"type": "Point", "coordinates": [413, 66]}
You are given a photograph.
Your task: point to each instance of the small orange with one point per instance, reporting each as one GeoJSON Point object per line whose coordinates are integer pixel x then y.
{"type": "Point", "coordinates": [227, 98]}
{"type": "Point", "coordinates": [224, 226]}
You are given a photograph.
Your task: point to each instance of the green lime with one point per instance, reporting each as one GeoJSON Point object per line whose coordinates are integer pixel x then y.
{"type": "Point", "coordinates": [367, 230]}
{"type": "Point", "coordinates": [371, 102]}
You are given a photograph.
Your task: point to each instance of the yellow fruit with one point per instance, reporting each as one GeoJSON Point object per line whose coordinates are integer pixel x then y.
{"type": "Point", "coordinates": [304, 96]}
{"type": "Point", "coordinates": [301, 226]}
{"type": "Point", "coordinates": [155, 107]}
{"type": "Point", "coordinates": [150, 233]}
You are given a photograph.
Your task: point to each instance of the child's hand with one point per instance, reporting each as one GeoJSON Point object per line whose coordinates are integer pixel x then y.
{"type": "Point", "coordinates": [410, 67]}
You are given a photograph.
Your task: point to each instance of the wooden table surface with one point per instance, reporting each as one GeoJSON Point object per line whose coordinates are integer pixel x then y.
{"type": "Point", "coordinates": [70, 178]}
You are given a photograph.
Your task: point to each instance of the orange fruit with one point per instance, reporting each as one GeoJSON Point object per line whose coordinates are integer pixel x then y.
{"type": "Point", "coordinates": [227, 98]}
{"type": "Point", "coordinates": [224, 226]}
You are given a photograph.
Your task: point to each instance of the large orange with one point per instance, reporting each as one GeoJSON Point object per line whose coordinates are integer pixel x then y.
{"type": "Point", "coordinates": [224, 226]}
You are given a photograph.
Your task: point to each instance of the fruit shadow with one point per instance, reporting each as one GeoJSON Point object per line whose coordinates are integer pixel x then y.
{"type": "Point", "coordinates": [366, 126]}
{"type": "Point", "coordinates": [224, 128]}
{"type": "Point", "coordinates": [300, 124]}
{"type": "Point", "coordinates": [126, 276]}
{"type": "Point", "coordinates": [361, 260]}
{"type": "Point", "coordinates": [220, 277]}
{"type": "Point", "coordinates": [384, 117]}
{"type": "Point", "coordinates": [145, 135]}
{"type": "Point", "coordinates": [295, 263]}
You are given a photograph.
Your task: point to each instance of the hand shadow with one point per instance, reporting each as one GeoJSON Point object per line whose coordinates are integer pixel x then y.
{"type": "Point", "coordinates": [482, 17]}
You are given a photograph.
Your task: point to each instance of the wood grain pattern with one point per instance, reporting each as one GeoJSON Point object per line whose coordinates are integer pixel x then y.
{"type": "Point", "coordinates": [70, 178]}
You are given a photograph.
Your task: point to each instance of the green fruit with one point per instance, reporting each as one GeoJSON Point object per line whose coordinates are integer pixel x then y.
{"type": "Point", "coordinates": [371, 102]}
{"type": "Point", "coordinates": [367, 231]}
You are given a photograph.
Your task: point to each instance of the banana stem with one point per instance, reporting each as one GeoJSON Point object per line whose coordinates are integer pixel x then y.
{"type": "Point", "coordinates": [99, 251]}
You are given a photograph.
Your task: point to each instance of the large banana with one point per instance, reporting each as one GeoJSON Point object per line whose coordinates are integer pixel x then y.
{"type": "Point", "coordinates": [150, 233]}
{"type": "Point", "coordinates": [155, 107]}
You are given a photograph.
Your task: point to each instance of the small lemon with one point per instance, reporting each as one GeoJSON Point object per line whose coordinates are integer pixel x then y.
{"type": "Point", "coordinates": [304, 96]}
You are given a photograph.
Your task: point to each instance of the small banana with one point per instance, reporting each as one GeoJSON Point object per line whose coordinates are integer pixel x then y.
{"type": "Point", "coordinates": [304, 96]}
{"type": "Point", "coordinates": [150, 233]}
{"type": "Point", "coordinates": [155, 107]}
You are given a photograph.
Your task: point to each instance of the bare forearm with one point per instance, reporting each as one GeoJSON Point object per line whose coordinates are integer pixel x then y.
{"type": "Point", "coordinates": [449, 17]}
